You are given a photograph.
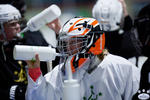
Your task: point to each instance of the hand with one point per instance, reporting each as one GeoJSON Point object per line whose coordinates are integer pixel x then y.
{"type": "Point", "coordinates": [34, 63]}
{"type": "Point", "coordinates": [55, 25]}
{"type": "Point", "coordinates": [124, 7]}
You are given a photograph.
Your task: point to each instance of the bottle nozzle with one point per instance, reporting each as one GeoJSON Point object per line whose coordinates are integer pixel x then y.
{"type": "Point", "coordinates": [20, 34]}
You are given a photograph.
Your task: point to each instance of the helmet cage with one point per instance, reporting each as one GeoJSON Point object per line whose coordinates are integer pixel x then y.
{"type": "Point", "coordinates": [80, 44]}
{"type": "Point", "coordinates": [71, 45]}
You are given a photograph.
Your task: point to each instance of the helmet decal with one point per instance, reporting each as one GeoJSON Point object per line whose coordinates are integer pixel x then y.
{"type": "Point", "coordinates": [87, 29]}
{"type": "Point", "coordinates": [74, 28]}
{"type": "Point", "coordinates": [77, 63]}
{"type": "Point", "coordinates": [98, 46]}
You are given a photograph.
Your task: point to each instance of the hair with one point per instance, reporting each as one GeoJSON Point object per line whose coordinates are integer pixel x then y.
{"type": "Point", "coordinates": [103, 54]}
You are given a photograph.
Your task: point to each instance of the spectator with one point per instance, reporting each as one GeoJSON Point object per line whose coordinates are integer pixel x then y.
{"type": "Point", "coordinates": [31, 38]}
{"type": "Point", "coordinates": [12, 73]}
{"type": "Point", "coordinates": [120, 35]}
{"type": "Point", "coordinates": [142, 23]}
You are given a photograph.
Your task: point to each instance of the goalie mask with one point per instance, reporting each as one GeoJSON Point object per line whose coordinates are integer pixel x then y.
{"type": "Point", "coordinates": [81, 36]}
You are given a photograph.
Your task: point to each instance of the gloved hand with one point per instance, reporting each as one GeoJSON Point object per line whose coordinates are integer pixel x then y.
{"type": "Point", "coordinates": [34, 63]}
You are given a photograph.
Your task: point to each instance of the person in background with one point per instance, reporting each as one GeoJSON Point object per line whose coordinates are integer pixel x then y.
{"type": "Point", "coordinates": [12, 73]}
{"type": "Point", "coordinates": [142, 23]}
{"type": "Point", "coordinates": [13, 80]}
{"type": "Point", "coordinates": [121, 38]}
{"type": "Point", "coordinates": [101, 75]}
{"type": "Point", "coordinates": [34, 38]}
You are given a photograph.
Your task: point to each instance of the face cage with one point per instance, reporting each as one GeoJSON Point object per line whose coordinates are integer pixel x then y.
{"type": "Point", "coordinates": [72, 45]}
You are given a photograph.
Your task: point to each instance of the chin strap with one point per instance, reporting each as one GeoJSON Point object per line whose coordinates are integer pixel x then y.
{"type": "Point", "coordinates": [94, 62]}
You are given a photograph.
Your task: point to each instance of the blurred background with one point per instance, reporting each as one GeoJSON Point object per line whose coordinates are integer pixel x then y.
{"type": "Point", "coordinates": [71, 8]}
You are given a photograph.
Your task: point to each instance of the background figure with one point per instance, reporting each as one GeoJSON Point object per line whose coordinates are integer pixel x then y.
{"type": "Point", "coordinates": [120, 36]}
{"type": "Point", "coordinates": [13, 79]}
{"type": "Point", "coordinates": [30, 38]}
{"type": "Point", "coordinates": [13, 76]}
{"type": "Point", "coordinates": [34, 38]}
{"type": "Point", "coordinates": [101, 75]}
{"type": "Point", "coordinates": [142, 23]}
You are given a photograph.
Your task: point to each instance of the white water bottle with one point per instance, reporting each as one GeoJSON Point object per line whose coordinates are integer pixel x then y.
{"type": "Point", "coordinates": [44, 17]}
{"type": "Point", "coordinates": [23, 52]}
{"type": "Point", "coordinates": [71, 87]}
{"type": "Point", "coordinates": [71, 90]}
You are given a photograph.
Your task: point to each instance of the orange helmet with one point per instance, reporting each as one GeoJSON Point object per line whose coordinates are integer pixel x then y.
{"type": "Point", "coordinates": [81, 36]}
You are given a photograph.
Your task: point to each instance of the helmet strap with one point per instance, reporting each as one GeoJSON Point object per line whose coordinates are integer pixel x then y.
{"type": "Point", "coordinates": [94, 62]}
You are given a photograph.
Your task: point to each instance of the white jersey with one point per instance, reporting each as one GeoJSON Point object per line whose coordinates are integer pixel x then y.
{"type": "Point", "coordinates": [115, 78]}
{"type": "Point", "coordinates": [141, 60]}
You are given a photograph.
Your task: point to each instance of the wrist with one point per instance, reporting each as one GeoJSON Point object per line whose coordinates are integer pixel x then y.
{"type": "Point", "coordinates": [34, 73]}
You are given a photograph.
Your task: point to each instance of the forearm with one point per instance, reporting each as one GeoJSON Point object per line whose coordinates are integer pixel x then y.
{"type": "Point", "coordinates": [124, 6]}
{"type": "Point", "coordinates": [40, 89]}
{"type": "Point", "coordinates": [37, 84]}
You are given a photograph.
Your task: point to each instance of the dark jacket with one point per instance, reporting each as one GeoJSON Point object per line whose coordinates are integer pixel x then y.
{"type": "Point", "coordinates": [126, 44]}
{"type": "Point", "coordinates": [12, 73]}
{"type": "Point", "coordinates": [144, 89]}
